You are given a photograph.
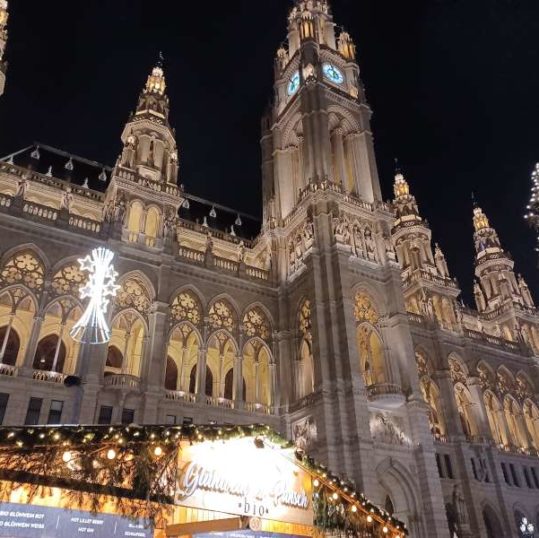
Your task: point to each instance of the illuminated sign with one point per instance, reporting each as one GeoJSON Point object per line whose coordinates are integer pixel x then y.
{"type": "Point", "coordinates": [235, 477]}
{"type": "Point", "coordinates": [28, 521]}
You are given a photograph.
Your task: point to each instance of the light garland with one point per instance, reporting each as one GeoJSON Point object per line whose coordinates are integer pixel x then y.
{"type": "Point", "coordinates": [92, 327]}
{"type": "Point", "coordinates": [111, 458]}
{"type": "Point", "coordinates": [532, 209]}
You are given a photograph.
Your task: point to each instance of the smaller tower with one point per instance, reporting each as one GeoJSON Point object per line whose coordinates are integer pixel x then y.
{"type": "Point", "coordinates": [429, 289]}
{"type": "Point", "coordinates": [497, 284]}
{"type": "Point", "coordinates": [143, 198]}
{"type": "Point", "coordinates": [3, 41]}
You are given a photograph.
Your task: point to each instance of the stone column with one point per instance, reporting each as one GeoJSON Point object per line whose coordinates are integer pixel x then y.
{"type": "Point", "coordinates": [155, 349]}
{"type": "Point", "coordinates": [238, 382]}
{"type": "Point", "coordinates": [32, 342]}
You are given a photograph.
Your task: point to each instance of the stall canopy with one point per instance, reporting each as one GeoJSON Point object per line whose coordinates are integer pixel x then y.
{"type": "Point", "coordinates": [175, 481]}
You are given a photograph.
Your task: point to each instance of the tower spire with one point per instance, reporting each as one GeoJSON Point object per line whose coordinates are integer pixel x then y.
{"type": "Point", "coordinates": [3, 40]}
{"type": "Point", "coordinates": [153, 101]}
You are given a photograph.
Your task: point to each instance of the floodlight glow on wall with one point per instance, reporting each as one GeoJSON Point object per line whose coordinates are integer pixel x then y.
{"type": "Point", "coordinates": [92, 327]}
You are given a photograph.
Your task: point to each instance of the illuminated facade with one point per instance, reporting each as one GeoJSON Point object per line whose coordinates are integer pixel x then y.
{"type": "Point", "coordinates": [339, 324]}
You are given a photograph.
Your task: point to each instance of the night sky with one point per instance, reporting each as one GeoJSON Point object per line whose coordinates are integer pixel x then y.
{"type": "Point", "coordinates": [454, 86]}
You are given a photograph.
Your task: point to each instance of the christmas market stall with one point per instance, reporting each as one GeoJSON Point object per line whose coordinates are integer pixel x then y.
{"type": "Point", "coordinates": [159, 481]}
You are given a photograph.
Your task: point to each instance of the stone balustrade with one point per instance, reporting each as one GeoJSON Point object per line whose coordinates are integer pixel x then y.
{"type": "Point", "coordinates": [385, 396]}
{"type": "Point", "coordinates": [49, 377]}
{"type": "Point", "coordinates": [7, 370]}
{"type": "Point", "coordinates": [122, 381]}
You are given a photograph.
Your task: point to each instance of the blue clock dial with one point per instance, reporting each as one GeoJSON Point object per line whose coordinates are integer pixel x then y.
{"type": "Point", "coordinates": [332, 73]}
{"type": "Point", "coordinates": [293, 85]}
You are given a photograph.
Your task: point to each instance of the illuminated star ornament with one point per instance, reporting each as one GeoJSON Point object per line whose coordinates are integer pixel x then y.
{"type": "Point", "coordinates": [92, 327]}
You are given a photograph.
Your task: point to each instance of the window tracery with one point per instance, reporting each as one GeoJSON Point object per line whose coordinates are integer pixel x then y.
{"type": "Point", "coordinates": [68, 280]}
{"type": "Point", "coordinates": [222, 316]}
{"type": "Point", "coordinates": [364, 309]}
{"type": "Point", "coordinates": [133, 294]}
{"type": "Point", "coordinates": [24, 268]}
{"type": "Point", "coordinates": [256, 324]}
{"type": "Point", "coordinates": [186, 307]}
{"type": "Point", "coordinates": [456, 371]}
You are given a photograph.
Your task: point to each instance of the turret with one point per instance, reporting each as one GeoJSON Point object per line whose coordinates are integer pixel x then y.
{"type": "Point", "coordinates": [149, 145]}
{"type": "Point", "coordinates": [497, 284]}
{"type": "Point", "coordinates": [143, 198]}
{"type": "Point", "coordinates": [3, 40]}
{"type": "Point", "coordinates": [428, 287]}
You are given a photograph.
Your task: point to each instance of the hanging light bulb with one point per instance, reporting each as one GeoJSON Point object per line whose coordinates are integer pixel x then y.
{"type": "Point", "coordinates": [111, 454]}
{"type": "Point", "coordinates": [67, 456]}
{"type": "Point", "coordinates": [238, 221]}
{"type": "Point", "coordinates": [69, 164]}
{"type": "Point", "coordinates": [213, 213]}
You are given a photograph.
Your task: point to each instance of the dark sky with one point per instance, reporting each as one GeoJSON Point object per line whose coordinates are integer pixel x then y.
{"type": "Point", "coordinates": [454, 85]}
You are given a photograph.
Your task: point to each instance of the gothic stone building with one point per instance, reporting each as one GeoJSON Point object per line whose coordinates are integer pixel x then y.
{"type": "Point", "coordinates": [338, 324]}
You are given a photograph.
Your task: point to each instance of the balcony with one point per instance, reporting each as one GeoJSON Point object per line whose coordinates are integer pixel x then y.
{"type": "Point", "coordinates": [385, 396]}
{"type": "Point", "coordinates": [49, 377]}
{"type": "Point", "coordinates": [122, 382]}
{"type": "Point", "coordinates": [180, 396]}
{"type": "Point", "coordinates": [7, 370]}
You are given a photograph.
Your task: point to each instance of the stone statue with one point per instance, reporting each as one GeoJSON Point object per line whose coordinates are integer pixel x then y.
{"type": "Point", "coordinates": [370, 245]}
{"type": "Point", "coordinates": [22, 187]}
{"type": "Point", "coordinates": [241, 252]}
{"type": "Point", "coordinates": [67, 198]}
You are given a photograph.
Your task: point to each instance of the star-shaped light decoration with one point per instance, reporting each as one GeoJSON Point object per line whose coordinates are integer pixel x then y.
{"type": "Point", "coordinates": [92, 327]}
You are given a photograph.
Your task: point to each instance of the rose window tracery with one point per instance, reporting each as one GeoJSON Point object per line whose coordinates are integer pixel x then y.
{"type": "Point", "coordinates": [24, 268]}
{"type": "Point", "coordinates": [133, 294]}
{"type": "Point", "coordinates": [255, 324]}
{"type": "Point", "coordinates": [186, 307]}
{"type": "Point", "coordinates": [222, 316]}
{"type": "Point", "coordinates": [364, 310]}
{"type": "Point", "coordinates": [68, 280]}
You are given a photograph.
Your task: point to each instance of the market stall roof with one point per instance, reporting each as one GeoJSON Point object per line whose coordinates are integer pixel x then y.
{"type": "Point", "coordinates": [136, 462]}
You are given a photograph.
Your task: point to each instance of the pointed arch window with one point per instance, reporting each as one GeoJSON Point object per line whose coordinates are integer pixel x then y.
{"type": "Point", "coordinates": [222, 316]}
{"type": "Point", "coordinates": [10, 345]}
{"type": "Point", "coordinates": [171, 375]}
{"type": "Point", "coordinates": [50, 354]}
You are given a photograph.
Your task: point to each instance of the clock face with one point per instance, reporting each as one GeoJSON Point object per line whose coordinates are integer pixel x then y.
{"type": "Point", "coordinates": [332, 73]}
{"type": "Point", "coordinates": [293, 85]}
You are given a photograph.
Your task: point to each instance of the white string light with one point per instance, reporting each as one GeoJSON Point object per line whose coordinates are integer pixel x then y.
{"type": "Point", "coordinates": [532, 209]}
{"type": "Point", "coordinates": [92, 327]}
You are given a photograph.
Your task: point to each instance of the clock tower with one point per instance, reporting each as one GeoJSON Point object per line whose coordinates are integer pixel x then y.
{"type": "Point", "coordinates": [319, 127]}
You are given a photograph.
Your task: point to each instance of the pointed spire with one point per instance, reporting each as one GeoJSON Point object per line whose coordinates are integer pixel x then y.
{"type": "Point", "coordinates": [153, 100]}
{"type": "Point", "coordinates": [404, 203]}
{"type": "Point", "coordinates": [486, 238]}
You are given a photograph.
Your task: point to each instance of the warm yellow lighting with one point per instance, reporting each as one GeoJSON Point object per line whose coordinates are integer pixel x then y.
{"type": "Point", "coordinates": [354, 508]}
{"type": "Point", "coordinates": [385, 530]}
{"type": "Point", "coordinates": [158, 451]}
{"type": "Point", "coordinates": [335, 496]}
{"type": "Point", "coordinates": [480, 220]}
{"type": "Point", "coordinates": [67, 456]}
{"type": "Point", "coordinates": [111, 454]}
{"type": "Point", "coordinates": [369, 519]}
{"type": "Point", "coordinates": [316, 482]}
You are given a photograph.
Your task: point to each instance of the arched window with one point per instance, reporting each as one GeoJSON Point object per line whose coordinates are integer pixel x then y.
{"type": "Point", "coordinates": [431, 395]}
{"type": "Point", "coordinates": [114, 357]}
{"type": "Point", "coordinates": [50, 354]}
{"type": "Point", "coordinates": [229, 385]}
{"type": "Point", "coordinates": [151, 229]}
{"type": "Point", "coordinates": [305, 366]}
{"type": "Point", "coordinates": [492, 524]}
{"type": "Point", "coordinates": [371, 355]}
{"type": "Point", "coordinates": [10, 345]}
{"type": "Point", "coordinates": [128, 336]}
{"type": "Point", "coordinates": [208, 389]}
{"type": "Point", "coordinates": [193, 380]}
{"type": "Point", "coordinates": [515, 423]}
{"type": "Point", "coordinates": [388, 505]}
{"type": "Point", "coordinates": [23, 268]}
{"type": "Point", "coordinates": [495, 418]}
{"type": "Point", "coordinates": [171, 375]}
{"type": "Point", "coordinates": [465, 410]}
{"type": "Point", "coordinates": [531, 417]}
{"type": "Point", "coordinates": [256, 373]}
{"type": "Point", "coordinates": [134, 221]}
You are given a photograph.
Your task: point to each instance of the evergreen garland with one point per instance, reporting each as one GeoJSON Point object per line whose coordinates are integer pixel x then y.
{"type": "Point", "coordinates": [135, 469]}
